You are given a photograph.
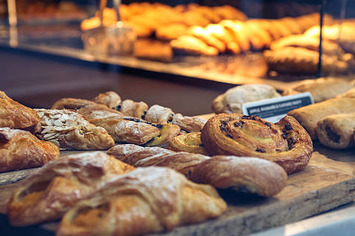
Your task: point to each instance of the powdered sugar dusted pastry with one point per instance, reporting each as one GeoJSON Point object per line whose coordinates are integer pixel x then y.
{"type": "Point", "coordinates": [110, 99]}
{"type": "Point", "coordinates": [232, 99]}
{"type": "Point", "coordinates": [322, 88]}
{"type": "Point", "coordinates": [131, 108]}
{"type": "Point", "coordinates": [337, 131]}
{"type": "Point", "coordinates": [128, 129]}
{"type": "Point", "coordinates": [70, 130]}
{"type": "Point", "coordinates": [20, 149]}
{"type": "Point", "coordinates": [159, 114]}
{"type": "Point", "coordinates": [17, 116]}
{"type": "Point", "coordinates": [248, 174]}
{"type": "Point", "coordinates": [54, 189]}
{"type": "Point", "coordinates": [188, 123]}
{"type": "Point", "coordinates": [143, 201]}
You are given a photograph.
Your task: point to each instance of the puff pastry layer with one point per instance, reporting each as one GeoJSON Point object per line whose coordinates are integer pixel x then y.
{"type": "Point", "coordinates": [146, 200]}
{"type": "Point", "coordinates": [20, 149]}
{"type": "Point", "coordinates": [17, 116]}
{"type": "Point", "coordinates": [49, 193]}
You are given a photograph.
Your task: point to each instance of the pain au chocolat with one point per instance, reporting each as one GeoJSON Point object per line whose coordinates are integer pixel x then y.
{"type": "Point", "coordinates": [287, 143]}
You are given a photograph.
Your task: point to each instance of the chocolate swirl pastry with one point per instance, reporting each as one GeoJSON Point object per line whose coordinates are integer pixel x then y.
{"type": "Point", "coordinates": [285, 143]}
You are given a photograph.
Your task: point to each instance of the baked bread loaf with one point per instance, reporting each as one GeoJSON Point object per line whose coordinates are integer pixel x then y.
{"type": "Point", "coordinates": [310, 115]}
{"type": "Point", "coordinates": [285, 143]}
{"type": "Point", "coordinates": [20, 149]}
{"type": "Point", "coordinates": [47, 194]}
{"type": "Point", "coordinates": [232, 99]}
{"type": "Point", "coordinates": [146, 200]}
{"type": "Point", "coordinates": [337, 131]}
{"type": "Point", "coordinates": [258, 176]}
{"type": "Point", "coordinates": [190, 142]}
{"type": "Point", "coordinates": [17, 116]}
{"type": "Point", "coordinates": [70, 130]}
{"type": "Point", "coordinates": [321, 89]}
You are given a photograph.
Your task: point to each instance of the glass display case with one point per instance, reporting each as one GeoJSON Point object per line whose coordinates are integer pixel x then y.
{"type": "Point", "coordinates": [232, 42]}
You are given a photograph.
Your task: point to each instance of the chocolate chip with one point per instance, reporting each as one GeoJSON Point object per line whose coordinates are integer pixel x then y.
{"type": "Point", "coordinates": [332, 135]}
{"type": "Point", "coordinates": [267, 124]}
{"type": "Point", "coordinates": [118, 107]}
{"type": "Point", "coordinates": [288, 127]}
{"type": "Point", "coordinates": [260, 150]}
{"type": "Point", "coordinates": [278, 150]}
{"type": "Point", "coordinates": [284, 135]}
{"type": "Point", "coordinates": [229, 136]}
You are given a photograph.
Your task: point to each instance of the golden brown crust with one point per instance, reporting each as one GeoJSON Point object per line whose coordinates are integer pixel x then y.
{"type": "Point", "coordinates": [309, 116]}
{"type": "Point", "coordinates": [190, 142]}
{"type": "Point", "coordinates": [182, 162]}
{"type": "Point", "coordinates": [49, 193]}
{"type": "Point", "coordinates": [167, 133]}
{"type": "Point", "coordinates": [337, 131]}
{"type": "Point", "coordinates": [246, 174]}
{"type": "Point", "coordinates": [285, 142]}
{"type": "Point", "coordinates": [110, 99]}
{"type": "Point", "coordinates": [146, 200]}
{"type": "Point", "coordinates": [321, 89]}
{"type": "Point", "coordinates": [70, 130]}
{"type": "Point", "coordinates": [188, 123]}
{"type": "Point", "coordinates": [187, 44]}
{"type": "Point", "coordinates": [20, 150]}
{"type": "Point", "coordinates": [71, 103]}
{"type": "Point", "coordinates": [17, 116]}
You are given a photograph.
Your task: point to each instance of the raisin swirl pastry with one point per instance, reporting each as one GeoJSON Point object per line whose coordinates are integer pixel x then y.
{"type": "Point", "coordinates": [286, 142]}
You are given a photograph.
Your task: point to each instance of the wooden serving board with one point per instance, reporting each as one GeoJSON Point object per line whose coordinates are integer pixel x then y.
{"type": "Point", "coordinates": [324, 184]}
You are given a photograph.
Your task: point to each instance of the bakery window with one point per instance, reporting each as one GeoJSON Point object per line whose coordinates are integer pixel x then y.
{"type": "Point", "coordinates": [232, 42]}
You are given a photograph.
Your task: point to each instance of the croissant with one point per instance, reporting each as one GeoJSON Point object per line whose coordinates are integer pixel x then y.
{"type": "Point", "coordinates": [146, 200]}
{"type": "Point", "coordinates": [286, 142]}
{"type": "Point", "coordinates": [20, 149]}
{"type": "Point", "coordinates": [70, 130]}
{"type": "Point", "coordinates": [55, 188]}
{"type": "Point", "coordinates": [253, 175]}
{"type": "Point", "coordinates": [17, 116]}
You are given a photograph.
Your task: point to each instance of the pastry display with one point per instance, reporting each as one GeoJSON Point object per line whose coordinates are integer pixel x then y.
{"type": "Point", "coordinates": [310, 115]}
{"type": "Point", "coordinates": [70, 130]}
{"type": "Point", "coordinates": [17, 116]}
{"type": "Point", "coordinates": [190, 142]}
{"type": "Point", "coordinates": [146, 200]}
{"type": "Point", "coordinates": [232, 99]}
{"type": "Point", "coordinates": [47, 194]}
{"type": "Point", "coordinates": [223, 172]}
{"type": "Point", "coordinates": [337, 131]}
{"type": "Point", "coordinates": [20, 149]}
{"type": "Point", "coordinates": [286, 143]}
{"type": "Point", "coordinates": [321, 89]}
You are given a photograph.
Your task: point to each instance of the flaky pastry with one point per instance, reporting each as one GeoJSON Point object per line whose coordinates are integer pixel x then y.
{"type": "Point", "coordinates": [49, 193]}
{"type": "Point", "coordinates": [286, 142]}
{"type": "Point", "coordinates": [20, 149]}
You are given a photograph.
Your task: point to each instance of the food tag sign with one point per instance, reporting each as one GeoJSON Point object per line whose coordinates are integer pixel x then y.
{"type": "Point", "coordinates": [275, 109]}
